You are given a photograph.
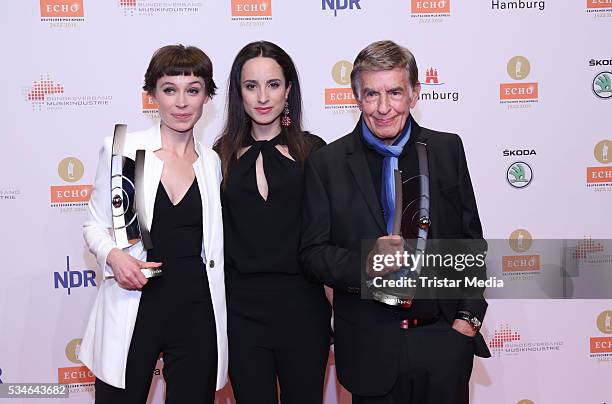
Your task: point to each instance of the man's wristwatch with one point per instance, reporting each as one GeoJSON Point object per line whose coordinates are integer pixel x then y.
{"type": "Point", "coordinates": [472, 320]}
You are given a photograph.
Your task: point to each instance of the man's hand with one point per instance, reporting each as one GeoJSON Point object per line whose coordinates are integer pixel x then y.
{"type": "Point", "coordinates": [463, 327]}
{"type": "Point", "coordinates": [385, 246]}
{"type": "Point", "coordinates": [127, 269]}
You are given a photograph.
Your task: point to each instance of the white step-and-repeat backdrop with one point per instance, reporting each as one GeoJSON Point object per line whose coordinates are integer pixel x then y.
{"type": "Point", "coordinates": [527, 84]}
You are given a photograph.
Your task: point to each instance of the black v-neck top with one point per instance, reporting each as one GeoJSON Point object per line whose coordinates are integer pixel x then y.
{"type": "Point", "coordinates": [262, 236]}
{"type": "Point", "coordinates": [177, 229]}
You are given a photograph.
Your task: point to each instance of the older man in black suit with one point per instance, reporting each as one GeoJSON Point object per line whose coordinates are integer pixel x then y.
{"type": "Point", "coordinates": [387, 354]}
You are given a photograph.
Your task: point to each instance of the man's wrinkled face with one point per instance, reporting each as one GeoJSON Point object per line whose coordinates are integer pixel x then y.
{"type": "Point", "coordinates": [385, 99]}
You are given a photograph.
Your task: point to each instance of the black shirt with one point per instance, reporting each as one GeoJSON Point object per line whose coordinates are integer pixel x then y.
{"type": "Point", "coordinates": [262, 236]}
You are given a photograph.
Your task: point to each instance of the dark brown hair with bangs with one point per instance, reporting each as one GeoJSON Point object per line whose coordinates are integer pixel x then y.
{"type": "Point", "coordinates": [178, 60]}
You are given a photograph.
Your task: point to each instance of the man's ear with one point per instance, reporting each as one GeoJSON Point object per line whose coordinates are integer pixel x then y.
{"type": "Point", "coordinates": [416, 91]}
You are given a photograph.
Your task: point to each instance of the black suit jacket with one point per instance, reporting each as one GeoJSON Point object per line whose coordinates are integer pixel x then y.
{"type": "Point", "coordinates": [341, 208]}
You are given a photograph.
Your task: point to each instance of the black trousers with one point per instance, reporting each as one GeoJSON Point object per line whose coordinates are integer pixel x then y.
{"type": "Point", "coordinates": [278, 332]}
{"type": "Point", "coordinates": [435, 368]}
{"type": "Point", "coordinates": [184, 330]}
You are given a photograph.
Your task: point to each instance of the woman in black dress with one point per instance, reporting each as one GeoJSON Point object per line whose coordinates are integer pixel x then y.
{"type": "Point", "coordinates": [278, 321]}
{"type": "Point", "coordinates": [182, 313]}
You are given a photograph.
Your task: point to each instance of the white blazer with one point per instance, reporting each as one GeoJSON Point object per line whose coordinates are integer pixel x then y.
{"type": "Point", "coordinates": [107, 338]}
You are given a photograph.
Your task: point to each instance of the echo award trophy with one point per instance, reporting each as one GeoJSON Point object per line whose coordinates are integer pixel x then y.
{"type": "Point", "coordinates": [130, 224]}
{"type": "Point", "coordinates": [411, 222]}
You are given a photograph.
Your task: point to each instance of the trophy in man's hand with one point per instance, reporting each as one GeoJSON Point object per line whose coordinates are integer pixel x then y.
{"type": "Point", "coordinates": [130, 224]}
{"type": "Point", "coordinates": [411, 222]}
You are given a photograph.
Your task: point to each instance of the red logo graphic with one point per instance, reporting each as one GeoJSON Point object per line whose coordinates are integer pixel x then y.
{"type": "Point", "coordinates": [431, 76]}
{"type": "Point", "coordinates": [61, 8]}
{"type": "Point", "coordinates": [587, 246]}
{"type": "Point", "coordinates": [75, 375]}
{"type": "Point", "coordinates": [600, 344]}
{"type": "Point", "coordinates": [251, 8]}
{"type": "Point", "coordinates": [430, 7]}
{"type": "Point", "coordinates": [520, 263]}
{"type": "Point", "coordinates": [597, 4]}
{"type": "Point", "coordinates": [599, 174]}
{"type": "Point", "coordinates": [70, 193]}
{"type": "Point", "coordinates": [503, 335]}
{"type": "Point", "coordinates": [339, 96]}
{"type": "Point", "coordinates": [127, 3]}
{"type": "Point", "coordinates": [518, 91]}
{"type": "Point", "coordinates": [44, 87]}
{"type": "Point", "coordinates": [148, 103]}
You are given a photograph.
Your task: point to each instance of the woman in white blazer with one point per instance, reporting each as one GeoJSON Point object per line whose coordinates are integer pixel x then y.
{"type": "Point", "coordinates": [181, 314]}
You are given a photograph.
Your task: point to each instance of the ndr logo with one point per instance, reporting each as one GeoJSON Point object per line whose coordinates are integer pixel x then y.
{"type": "Point", "coordinates": [74, 279]}
{"type": "Point", "coordinates": [340, 5]}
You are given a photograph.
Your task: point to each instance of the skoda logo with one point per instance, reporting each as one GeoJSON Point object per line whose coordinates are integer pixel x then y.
{"type": "Point", "coordinates": [519, 174]}
{"type": "Point", "coordinates": [602, 85]}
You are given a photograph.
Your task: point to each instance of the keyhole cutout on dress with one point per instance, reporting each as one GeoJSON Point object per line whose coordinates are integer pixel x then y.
{"type": "Point", "coordinates": [260, 174]}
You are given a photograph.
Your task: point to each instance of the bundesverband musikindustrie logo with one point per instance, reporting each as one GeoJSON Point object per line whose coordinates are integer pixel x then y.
{"type": "Point", "coordinates": [150, 8]}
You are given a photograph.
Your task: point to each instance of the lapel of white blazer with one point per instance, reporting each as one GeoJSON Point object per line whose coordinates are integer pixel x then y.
{"type": "Point", "coordinates": [153, 170]}
{"type": "Point", "coordinates": [202, 172]}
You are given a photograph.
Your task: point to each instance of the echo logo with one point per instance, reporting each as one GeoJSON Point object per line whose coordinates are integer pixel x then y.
{"type": "Point", "coordinates": [61, 8]}
{"type": "Point", "coordinates": [251, 8]}
{"type": "Point", "coordinates": [69, 279]}
{"type": "Point", "coordinates": [148, 103]}
{"type": "Point", "coordinates": [601, 174]}
{"type": "Point", "coordinates": [520, 263]}
{"type": "Point", "coordinates": [518, 68]}
{"type": "Point", "coordinates": [600, 344]}
{"type": "Point", "coordinates": [596, 4]}
{"type": "Point", "coordinates": [70, 193]}
{"type": "Point", "coordinates": [340, 5]}
{"type": "Point", "coordinates": [339, 96]}
{"type": "Point", "coordinates": [430, 7]}
{"type": "Point", "coordinates": [75, 375]}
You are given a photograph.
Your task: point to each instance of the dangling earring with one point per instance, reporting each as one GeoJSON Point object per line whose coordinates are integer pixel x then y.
{"type": "Point", "coordinates": [286, 119]}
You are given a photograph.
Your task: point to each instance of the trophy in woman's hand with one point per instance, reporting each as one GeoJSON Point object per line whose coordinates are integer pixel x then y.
{"type": "Point", "coordinates": [130, 224]}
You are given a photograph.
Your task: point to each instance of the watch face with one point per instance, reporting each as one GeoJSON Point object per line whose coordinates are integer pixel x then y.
{"type": "Point", "coordinates": [476, 322]}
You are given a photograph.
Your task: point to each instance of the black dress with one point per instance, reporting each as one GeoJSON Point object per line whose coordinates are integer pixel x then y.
{"type": "Point", "coordinates": [278, 321]}
{"type": "Point", "coordinates": [175, 315]}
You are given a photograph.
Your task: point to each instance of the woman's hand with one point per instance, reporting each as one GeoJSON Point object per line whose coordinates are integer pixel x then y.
{"type": "Point", "coordinates": [127, 269]}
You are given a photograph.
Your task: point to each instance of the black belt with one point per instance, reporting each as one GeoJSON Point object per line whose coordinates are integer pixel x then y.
{"type": "Point", "coordinates": [416, 322]}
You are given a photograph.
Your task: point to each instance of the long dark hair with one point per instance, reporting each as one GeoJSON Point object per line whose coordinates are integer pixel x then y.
{"type": "Point", "coordinates": [238, 124]}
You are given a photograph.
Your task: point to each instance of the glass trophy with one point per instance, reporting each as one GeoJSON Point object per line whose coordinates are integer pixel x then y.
{"type": "Point", "coordinates": [411, 222]}
{"type": "Point", "coordinates": [130, 224]}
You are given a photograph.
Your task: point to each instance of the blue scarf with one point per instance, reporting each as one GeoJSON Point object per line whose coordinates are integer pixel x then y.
{"type": "Point", "coordinates": [390, 164]}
